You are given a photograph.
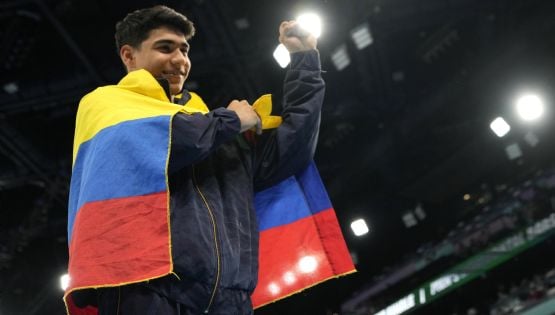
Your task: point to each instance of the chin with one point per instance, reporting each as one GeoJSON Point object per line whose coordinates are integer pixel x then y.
{"type": "Point", "coordinates": [176, 90]}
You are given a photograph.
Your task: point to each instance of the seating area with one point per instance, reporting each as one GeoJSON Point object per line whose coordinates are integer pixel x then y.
{"type": "Point", "coordinates": [528, 206]}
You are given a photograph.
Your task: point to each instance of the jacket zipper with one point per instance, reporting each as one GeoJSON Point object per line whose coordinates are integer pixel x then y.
{"type": "Point", "coordinates": [216, 248]}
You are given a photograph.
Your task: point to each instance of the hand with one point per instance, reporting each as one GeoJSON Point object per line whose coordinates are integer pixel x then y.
{"type": "Point", "coordinates": [295, 43]}
{"type": "Point", "coordinates": [248, 117]}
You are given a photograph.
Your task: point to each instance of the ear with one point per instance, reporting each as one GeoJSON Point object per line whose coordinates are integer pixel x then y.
{"type": "Point", "coordinates": [127, 55]}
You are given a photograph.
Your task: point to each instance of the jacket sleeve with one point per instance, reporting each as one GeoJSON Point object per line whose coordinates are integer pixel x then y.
{"type": "Point", "coordinates": [195, 136]}
{"type": "Point", "coordinates": [289, 148]}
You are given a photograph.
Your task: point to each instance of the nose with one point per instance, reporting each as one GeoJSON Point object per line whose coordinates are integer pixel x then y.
{"type": "Point", "coordinates": [179, 59]}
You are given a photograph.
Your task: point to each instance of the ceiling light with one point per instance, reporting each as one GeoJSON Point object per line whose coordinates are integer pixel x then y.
{"type": "Point", "coordinates": [513, 151]}
{"type": "Point", "coordinates": [340, 58]}
{"type": "Point", "coordinates": [531, 139]}
{"type": "Point", "coordinates": [359, 227]}
{"type": "Point", "coordinates": [361, 36]}
{"type": "Point", "coordinates": [281, 55]}
{"type": "Point", "coordinates": [500, 127]}
{"type": "Point", "coordinates": [11, 88]}
{"type": "Point", "coordinates": [311, 23]}
{"type": "Point", "coordinates": [529, 107]}
{"type": "Point", "coordinates": [64, 281]}
{"type": "Point", "coordinates": [409, 219]}
{"type": "Point", "coordinates": [242, 23]}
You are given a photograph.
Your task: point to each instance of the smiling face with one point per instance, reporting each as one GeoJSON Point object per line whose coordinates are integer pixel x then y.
{"type": "Point", "coordinates": [165, 54]}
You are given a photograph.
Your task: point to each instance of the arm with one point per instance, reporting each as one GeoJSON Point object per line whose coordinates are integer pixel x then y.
{"type": "Point", "coordinates": [195, 136]}
{"type": "Point", "coordinates": [290, 147]}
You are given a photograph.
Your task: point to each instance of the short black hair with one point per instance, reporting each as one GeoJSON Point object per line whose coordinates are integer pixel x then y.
{"type": "Point", "coordinates": [136, 26]}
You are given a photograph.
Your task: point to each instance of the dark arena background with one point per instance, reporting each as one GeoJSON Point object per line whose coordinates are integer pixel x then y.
{"type": "Point", "coordinates": [461, 220]}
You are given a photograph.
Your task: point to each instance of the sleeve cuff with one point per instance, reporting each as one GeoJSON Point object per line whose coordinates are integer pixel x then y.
{"type": "Point", "coordinates": [306, 60]}
{"type": "Point", "coordinates": [234, 121]}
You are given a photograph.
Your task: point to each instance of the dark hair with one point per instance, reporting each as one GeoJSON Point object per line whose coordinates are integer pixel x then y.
{"type": "Point", "coordinates": [136, 26]}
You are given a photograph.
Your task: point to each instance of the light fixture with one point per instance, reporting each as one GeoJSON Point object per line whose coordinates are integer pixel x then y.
{"type": "Point", "coordinates": [529, 107]}
{"type": "Point", "coordinates": [242, 23]}
{"type": "Point", "coordinates": [309, 22]}
{"type": "Point", "coordinates": [513, 151]}
{"type": "Point", "coordinates": [409, 219]}
{"type": "Point", "coordinates": [359, 227]}
{"type": "Point", "coordinates": [419, 212]}
{"type": "Point", "coordinates": [11, 88]}
{"type": "Point", "coordinates": [361, 36]}
{"type": "Point", "coordinates": [500, 127]}
{"type": "Point", "coordinates": [340, 58]}
{"type": "Point", "coordinates": [531, 139]}
{"type": "Point", "coordinates": [64, 281]}
{"type": "Point", "coordinates": [281, 55]}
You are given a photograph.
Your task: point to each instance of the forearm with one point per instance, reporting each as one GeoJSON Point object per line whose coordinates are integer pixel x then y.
{"type": "Point", "coordinates": [195, 136]}
{"type": "Point", "coordinates": [291, 146]}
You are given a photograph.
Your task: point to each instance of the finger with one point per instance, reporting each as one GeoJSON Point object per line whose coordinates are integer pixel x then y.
{"type": "Point", "coordinates": [258, 126]}
{"type": "Point", "coordinates": [285, 25]}
{"type": "Point", "coordinates": [233, 102]}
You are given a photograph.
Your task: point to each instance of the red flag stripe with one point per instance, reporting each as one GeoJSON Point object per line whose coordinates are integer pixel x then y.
{"type": "Point", "coordinates": [292, 257]}
{"type": "Point", "coordinates": [126, 242]}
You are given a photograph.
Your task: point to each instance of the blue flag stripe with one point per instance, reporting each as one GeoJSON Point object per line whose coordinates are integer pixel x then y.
{"type": "Point", "coordinates": [130, 163]}
{"type": "Point", "coordinates": [313, 188]}
{"type": "Point", "coordinates": [292, 199]}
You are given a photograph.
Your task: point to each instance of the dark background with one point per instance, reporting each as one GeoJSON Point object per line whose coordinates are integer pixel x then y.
{"type": "Point", "coordinates": [405, 124]}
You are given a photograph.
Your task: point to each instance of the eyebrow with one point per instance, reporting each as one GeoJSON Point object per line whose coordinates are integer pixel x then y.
{"type": "Point", "coordinates": [171, 42]}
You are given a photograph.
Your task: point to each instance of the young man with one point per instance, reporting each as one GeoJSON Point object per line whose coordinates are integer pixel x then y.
{"type": "Point", "coordinates": [161, 216]}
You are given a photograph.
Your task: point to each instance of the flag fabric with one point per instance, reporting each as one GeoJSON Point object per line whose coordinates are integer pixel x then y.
{"type": "Point", "coordinates": [118, 212]}
{"type": "Point", "coordinates": [301, 243]}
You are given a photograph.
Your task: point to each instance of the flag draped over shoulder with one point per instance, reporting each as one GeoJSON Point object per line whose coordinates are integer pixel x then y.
{"type": "Point", "coordinates": [301, 243]}
{"type": "Point", "coordinates": [118, 218]}
{"type": "Point", "coordinates": [118, 212]}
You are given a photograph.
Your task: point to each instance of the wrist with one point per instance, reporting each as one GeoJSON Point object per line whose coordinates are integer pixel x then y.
{"type": "Point", "coordinates": [306, 60]}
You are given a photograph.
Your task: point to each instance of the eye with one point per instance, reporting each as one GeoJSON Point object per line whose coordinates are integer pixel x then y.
{"type": "Point", "coordinates": [184, 51]}
{"type": "Point", "coordinates": [164, 48]}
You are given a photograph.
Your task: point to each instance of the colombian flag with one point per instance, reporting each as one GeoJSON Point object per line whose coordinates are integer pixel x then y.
{"type": "Point", "coordinates": [118, 212]}
{"type": "Point", "coordinates": [118, 218]}
{"type": "Point", "coordinates": [301, 243]}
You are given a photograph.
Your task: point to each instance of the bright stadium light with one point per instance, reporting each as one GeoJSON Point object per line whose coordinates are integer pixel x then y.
{"type": "Point", "coordinates": [359, 227]}
{"type": "Point", "coordinates": [500, 127]}
{"type": "Point", "coordinates": [311, 23]}
{"type": "Point", "coordinates": [308, 22]}
{"type": "Point", "coordinates": [64, 281]}
{"type": "Point", "coordinates": [529, 107]}
{"type": "Point", "coordinates": [281, 55]}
